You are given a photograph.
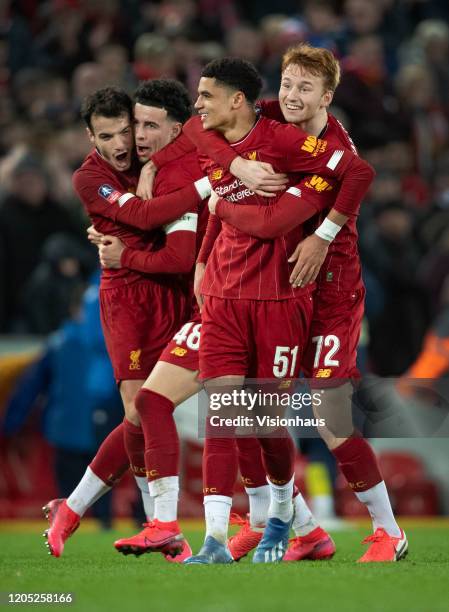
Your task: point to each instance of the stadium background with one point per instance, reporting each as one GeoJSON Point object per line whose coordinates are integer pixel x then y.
{"type": "Point", "coordinates": [394, 100]}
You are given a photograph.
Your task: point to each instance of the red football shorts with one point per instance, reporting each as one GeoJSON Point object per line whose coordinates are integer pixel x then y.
{"type": "Point", "coordinates": [254, 338]}
{"type": "Point", "coordinates": [183, 348]}
{"type": "Point", "coordinates": [331, 352]}
{"type": "Point", "coordinates": [138, 320]}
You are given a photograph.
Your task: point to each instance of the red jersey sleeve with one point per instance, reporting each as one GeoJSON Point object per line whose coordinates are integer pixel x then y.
{"type": "Point", "coordinates": [295, 206]}
{"type": "Point", "coordinates": [212, 230]}
{"type": "Point", "coordinates": [176, 256]}
{"type": "Point", "coordinates": [174, 150]}
{"type": "Point", "coordinates": [299, 152]}
{"type": "Point", "coordinates": [107, 198]}
{"type": "Point", "coordinates": [209, 142]}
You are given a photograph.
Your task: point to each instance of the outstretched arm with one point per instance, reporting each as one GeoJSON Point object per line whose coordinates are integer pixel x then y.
{"type": "Point", "coordinates": [257, 176]}
{"type": "Point", "coordinates": [110, 201]}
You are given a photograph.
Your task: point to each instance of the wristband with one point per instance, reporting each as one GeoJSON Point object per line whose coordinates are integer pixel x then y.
{"type": "Point", "coordinates": [203, 187]}
{"type": "Point", "coordinates": [328, 230]}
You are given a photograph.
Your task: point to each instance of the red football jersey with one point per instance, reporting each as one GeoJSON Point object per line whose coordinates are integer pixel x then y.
{"type": "Point", "coordinates": [108, 197]}
{"type": "Point", "coordinates": [172, 176]}
{"type": "Point", "coordinates": [243, 267]}
{"type": "Point", "coordinates": [341, 270]}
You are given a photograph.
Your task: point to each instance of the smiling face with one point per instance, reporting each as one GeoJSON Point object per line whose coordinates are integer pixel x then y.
{"type": "Point", "coordinates": [302, 95]}
{"type": "Point", "coordinates": [215, 104]}
{"type": "Point", "coordinates": [153, 129]}
{"type": "Point", "coordinates": [113, 138]}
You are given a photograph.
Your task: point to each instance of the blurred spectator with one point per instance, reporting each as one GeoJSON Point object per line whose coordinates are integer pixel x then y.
{"type": "Point", "coordinates": [115, 69]}
{"type": "Point", "coordinates": [391, 254]}
{"type": "Point", "coordinates": [278, 32]}
{"type": "Point", "coordinates": [73, 387]}
{"type": "Point", "coordinates": [433, 269]}
{"type": "Point", "coordinates": [154, 57]}
{"type": "Point", "coordinates": [15, 39]}
{"type": "Point", "coordinates": [28, 216]}
{"type": "Point", "coordinates": [63, 44]}
{"type": "Point", "coordinates": [365, 91]}
{"type": "Point", "coordinates": [426, 117]}
{"type": "Point", "coordinates": [65, 152]}
{"type": "Point", "coordinates": [62, 271]}
{"type": "Point", "coordinates": [86, 78]}
{"type": "Point", "coordinates": [429, 47]}
{"type": "Point", "coordinates": [324, 25]}
{"type": "Point", "coordinates": [246, 42]}
{"type": "Point", "coordinates": [433, 360]}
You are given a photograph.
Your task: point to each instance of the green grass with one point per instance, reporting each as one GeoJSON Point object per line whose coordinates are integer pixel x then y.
{"type": "Point", "coordinates": [102, 579]}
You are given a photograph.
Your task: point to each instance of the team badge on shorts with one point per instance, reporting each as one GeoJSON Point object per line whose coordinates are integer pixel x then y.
{"type": "Point", "coordinates": [134, 359]}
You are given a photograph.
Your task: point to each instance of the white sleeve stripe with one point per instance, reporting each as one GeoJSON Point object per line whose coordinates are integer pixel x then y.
{"type": "Point", "coordinates": [294, 191]}
{"type": "Point", "coordinates": [186, 223]}
{"type": "Point", "coordinates": [334, 160]}
{"type": "Point", "coordinates": [124, 198]}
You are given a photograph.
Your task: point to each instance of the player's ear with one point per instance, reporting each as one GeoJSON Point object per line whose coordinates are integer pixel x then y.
{"type": "Point", "coordinates": [90, 135]}
{"type": "Point", "coordinates": [176, 129]}
{"type": "Point", "coordinates": [238, 99]}
{"type": "Point", "coordinates": [327, 98]}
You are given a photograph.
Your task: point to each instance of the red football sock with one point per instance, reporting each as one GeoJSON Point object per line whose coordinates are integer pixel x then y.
{"type": "Point", "coordinates": [278, 456]}
{"type": "Point", "coordinates": [250, 462]}
{"type": "Point", "coordinates": [135, 447]}
{"type": "Point", "coordinates": [111, 460]}
{"type": "Point", "coordinates": [161, 437]}
{"type": "Point", "coordinates": [357, 461]}
{"type": "Point", "coordinates": [219, 466]}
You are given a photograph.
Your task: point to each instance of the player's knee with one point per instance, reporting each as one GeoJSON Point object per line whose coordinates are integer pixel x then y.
{"type": "Point", "coordinates": [330, 439]}
{"type": "Point", "coordinates": [131, 413]}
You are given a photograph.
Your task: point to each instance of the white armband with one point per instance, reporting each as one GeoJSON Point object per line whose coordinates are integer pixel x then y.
{"type": "Point", "coordinates": [186, 223]}
{"type": "Point", "coordinates": [203, 187]}
{"type": "Point", "coordinates": [328, 230]}
{"type": "Point", "coordinates": [124, 198]}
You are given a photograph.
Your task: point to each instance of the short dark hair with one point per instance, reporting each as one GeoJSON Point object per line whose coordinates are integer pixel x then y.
{"type": "Point", "coordinates": [168, 94]}
{"type": "Point", "coordinates": [237, 74]}
{"type": "Point", "coordinates": [106, 102]}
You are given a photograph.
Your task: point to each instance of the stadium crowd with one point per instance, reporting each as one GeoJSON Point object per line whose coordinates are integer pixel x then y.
{"type": "Point", "coordinates": [393, 98]}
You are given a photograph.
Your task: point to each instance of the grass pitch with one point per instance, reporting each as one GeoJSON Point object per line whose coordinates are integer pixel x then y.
{"type": "Point", "coordinates": [102, 579]}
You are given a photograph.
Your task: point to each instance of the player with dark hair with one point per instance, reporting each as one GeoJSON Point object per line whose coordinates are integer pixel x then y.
{"type": "Point", "coordinates": [109, 102]}
{"type": "Point", "coordinates": [166, 94]}
{"type": "Point", "coordinates": [309, 78]}
{"type": "Point", "coordinates": [140, 310]}
{"type": "Point", "coordinates": [249, 294]}
{"type": "Point", "coordinates": [173, 379]}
